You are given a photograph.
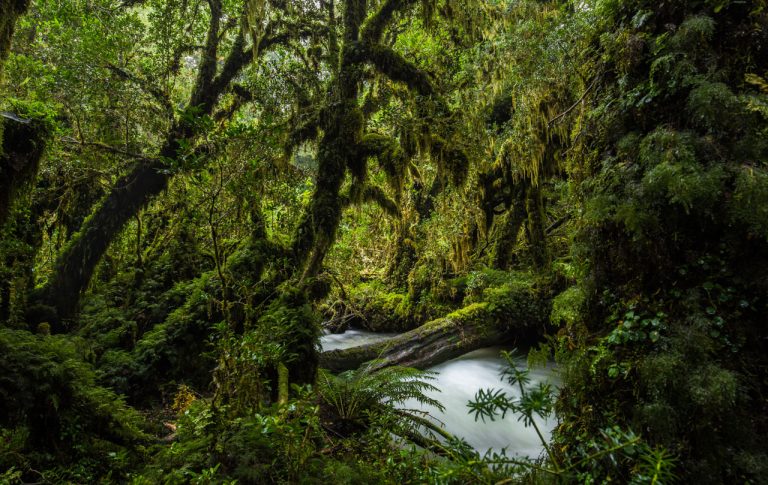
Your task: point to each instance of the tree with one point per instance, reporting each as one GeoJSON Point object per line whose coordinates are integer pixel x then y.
{"type": "Point", "coordinates": [149, 175]}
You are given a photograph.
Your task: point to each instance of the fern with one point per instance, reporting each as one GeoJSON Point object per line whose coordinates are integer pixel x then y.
{"type": "Point", "coordinates": [354, 396]}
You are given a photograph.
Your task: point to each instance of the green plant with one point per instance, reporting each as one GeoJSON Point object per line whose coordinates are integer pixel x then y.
{"type": "Point", "coordinates": [598, 458]}
{"type": "Point", "coordinates": [353, 397]}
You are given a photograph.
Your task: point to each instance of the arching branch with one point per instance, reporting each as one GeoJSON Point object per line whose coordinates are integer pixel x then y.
{"type": "Point", "coordinates": [374, 194]}
{"type": "Point", "coordinates": [389, 155]}
{"type": "Point", "coordinates": [374, 27]}
{"type": "Point", "coordinates": [394, 66]}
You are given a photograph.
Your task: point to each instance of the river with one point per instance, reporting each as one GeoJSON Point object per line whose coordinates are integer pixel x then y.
{"type": "Point", "coordinates": [458, 380]}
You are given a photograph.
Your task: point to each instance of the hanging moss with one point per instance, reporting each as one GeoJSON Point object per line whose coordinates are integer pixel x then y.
{"type": "Point", "coordinates": [389, 156]}
{"type": "Point", "coordinates": [452, 160]}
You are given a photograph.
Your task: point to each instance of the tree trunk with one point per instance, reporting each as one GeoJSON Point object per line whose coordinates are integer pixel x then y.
{"type": "Point", "coordinates": [535, 228]}
{"type": "Point", "coordinates": [510, 225]}
{"type": "Point", "coordinates": [430, 344]}
{"type": "Point", "coordinates": [405, 254]}
{"type": "Point", "coordinates": [75, 265]}
{"type": "Point", "coordinates": [10, 11]}
{"type": "Point", "coordinates": [338, 150]}
{"type": "Point", "coordinates": [22, 143]}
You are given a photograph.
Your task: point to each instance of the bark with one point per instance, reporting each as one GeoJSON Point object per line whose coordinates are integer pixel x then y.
{"type": "Point", "coordinates": [22, 143]}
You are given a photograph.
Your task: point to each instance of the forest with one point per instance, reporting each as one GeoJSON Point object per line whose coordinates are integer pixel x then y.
{"type": "Point", "coordinates": [383, 241]}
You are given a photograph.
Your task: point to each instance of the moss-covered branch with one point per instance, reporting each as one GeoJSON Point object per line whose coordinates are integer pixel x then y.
{"type": "Point", "coordinates": [389, 155]}
{"type": "Point", "coordinates": [374, 194]}
{"type": "Point", "coordinates": [394, 66]}
{"type": "Point", "coordinates": [148, 178]}
{"type": "Point", "coordinates": [374, 27]}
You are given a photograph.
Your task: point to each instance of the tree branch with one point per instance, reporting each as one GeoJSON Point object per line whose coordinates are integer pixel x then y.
{"type": "Point", "coordinates": [201, 94]}
{"type": "Point", "coordinates": [144, 84]}
{"type": "Point", "coordinates": [573, 106]}
{"type": "Point", "coordinates": [394, 66]}
{"type": "Point", "coordinates": [374, 27]}
{"type": "Point", "coordinates": [389, 155]}
{"type": "Point", "coordinates": [375, 194]}
{"type": "Point", "coordinates": [106, 148]}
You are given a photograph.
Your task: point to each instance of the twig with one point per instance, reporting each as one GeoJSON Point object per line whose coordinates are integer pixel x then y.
{"type": "Point", "coordinates": [156, 93]}
{"type": "Point", "coordinates": [573, 106]}
{"type": "Point", "coordinates": [105, 147]}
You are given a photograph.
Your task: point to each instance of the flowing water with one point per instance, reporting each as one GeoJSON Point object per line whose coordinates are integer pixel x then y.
{"type": "Point", "coordinates": [351, 338]}
{"type": "Point", "coordinates": [458, 380]}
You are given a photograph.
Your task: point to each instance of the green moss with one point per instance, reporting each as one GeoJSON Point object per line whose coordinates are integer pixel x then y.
{"type": "Point", "coordinates": [472, 312]}
{"type": "Point", "coordinates": [389, 155]}
{"type": "Point", "coordinates": [568, 307]}
{"type": "Point", "coordinates": [382, 310]}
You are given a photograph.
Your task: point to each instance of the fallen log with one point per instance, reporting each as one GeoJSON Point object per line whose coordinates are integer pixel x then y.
{"type": "Point", "coordinates": [510, 314]}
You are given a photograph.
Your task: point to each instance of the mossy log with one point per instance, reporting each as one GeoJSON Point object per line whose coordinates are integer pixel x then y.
{"type": "Point", "coordinates": [510, 314]}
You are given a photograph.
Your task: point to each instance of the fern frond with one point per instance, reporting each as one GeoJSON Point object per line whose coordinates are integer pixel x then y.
{"type": "Point", "coordinates": [354, 396]}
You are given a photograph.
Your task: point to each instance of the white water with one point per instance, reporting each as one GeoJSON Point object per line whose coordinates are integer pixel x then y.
{"type": "Point", "coordinates": [351, 338]}
{"type": "Point", "coordinates": [458, 380]}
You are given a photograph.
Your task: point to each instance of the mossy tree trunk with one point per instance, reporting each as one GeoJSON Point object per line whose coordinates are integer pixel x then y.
{"type": "Point", "coordinates": [405, 253]}
{"type": "Point", "coordinates": [148, 178]}
{"type": "Point", "coordinates": [10, 11]}
{"type": "Point", "coordinates": [432, 343]}
{"type": "Point", "coordinates": [22, 147]}
{"type": "Point", "coordinates": [508, 228]}
{"type": "Point", "coordinates": [343, 146]}
{"type": "Point", "coordinates": [534, 229]}
{"type": "Point", "coordinates": [524, 206]}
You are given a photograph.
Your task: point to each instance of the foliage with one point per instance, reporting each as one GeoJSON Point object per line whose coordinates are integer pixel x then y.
{"type": "Point", "coordinates": [601, 459]}
{"type": "Point", "coordinates": [186, 188]}
{"type": "Point", "coordinates": [55, 417]}
{"type": "Point", "coordinates": [354, 398]}
{"type": "Point", "coordinates": [668, 243]}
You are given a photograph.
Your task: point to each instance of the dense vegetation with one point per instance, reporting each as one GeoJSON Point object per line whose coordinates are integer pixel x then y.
{"type": "Point", "coordinates": [191, 192]}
